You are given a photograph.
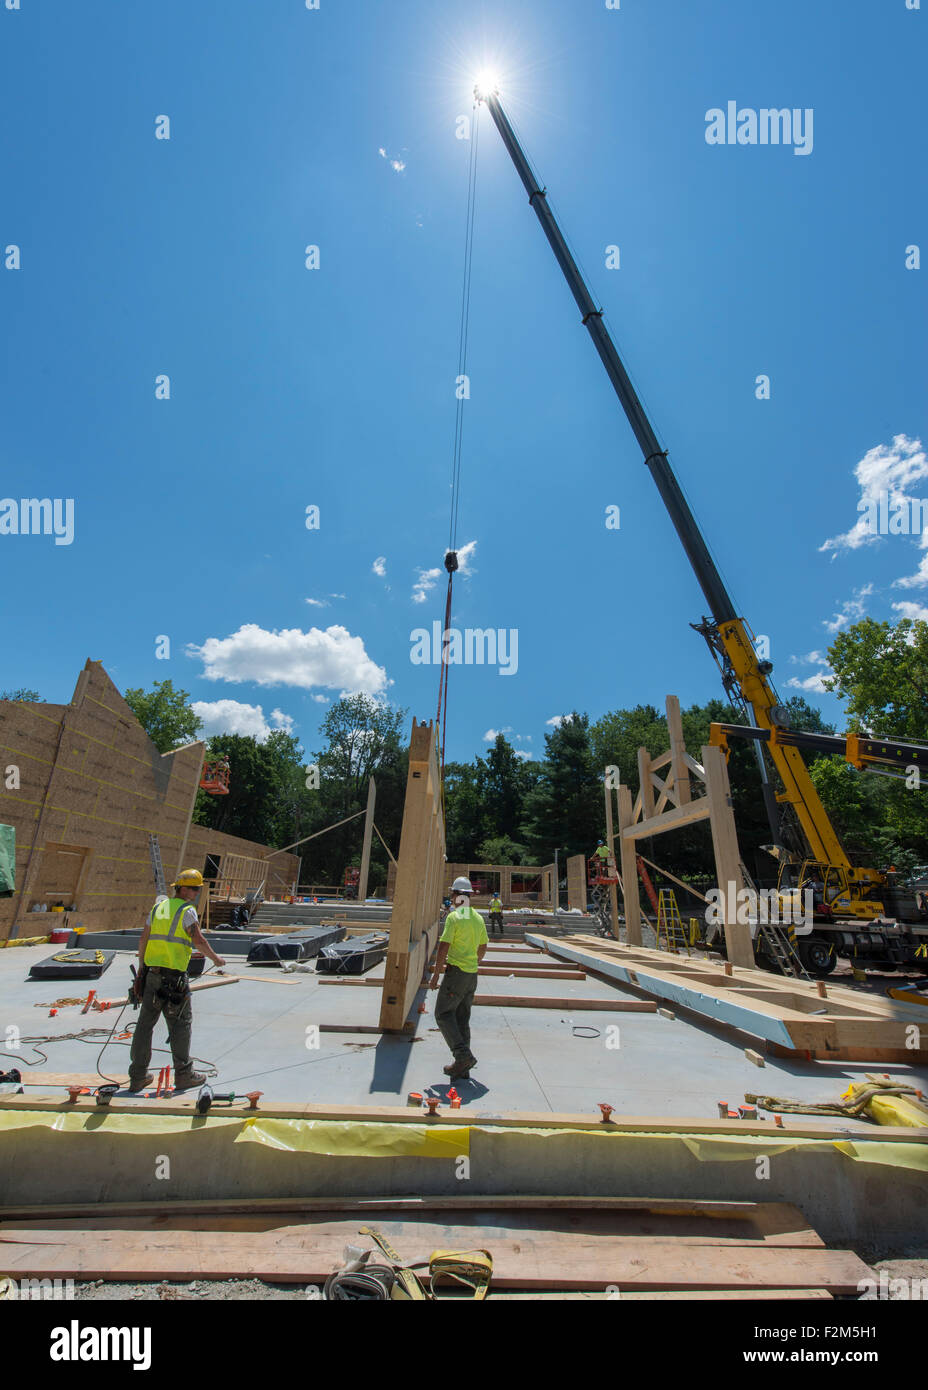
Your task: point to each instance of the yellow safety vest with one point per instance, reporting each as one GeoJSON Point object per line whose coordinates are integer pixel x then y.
{"type": "Point", "coordinates": [169, 945]}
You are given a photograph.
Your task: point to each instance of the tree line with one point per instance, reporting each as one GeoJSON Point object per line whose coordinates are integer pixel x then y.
{"type": "Point", "coordinates": [503, 808]}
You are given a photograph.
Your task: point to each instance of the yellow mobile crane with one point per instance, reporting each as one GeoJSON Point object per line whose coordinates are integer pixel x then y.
{"type": "Point", "coordinates": [860, 896]}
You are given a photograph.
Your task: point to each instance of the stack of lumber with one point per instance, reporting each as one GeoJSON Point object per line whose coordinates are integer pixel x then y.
{"type": "Point", "coordinates": [646, 1247]}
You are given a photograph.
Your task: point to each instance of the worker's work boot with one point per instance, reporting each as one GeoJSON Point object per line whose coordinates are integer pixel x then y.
{"type": "Point", "coordinates": [189, 1079]}
{"type": "Point", "coordinates": [140, 1086]}
{"type": "Point", "coordinates": [459, 1069]}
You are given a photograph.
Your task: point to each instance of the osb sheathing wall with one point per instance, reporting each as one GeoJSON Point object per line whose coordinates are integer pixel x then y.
{"type": "Point", "coordinates": [91, 778]}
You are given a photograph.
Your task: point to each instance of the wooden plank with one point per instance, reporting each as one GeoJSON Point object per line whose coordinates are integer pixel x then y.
{"type": "Point", "coordinates": [523, 1257]}
{"type": "Point", "coordinates": [184, 1105]}
{"type": "Point", "coordinates": [259, 979]}
{"type": "Point", "coordinates": [510, 972]}
{"type": "Point", "coordinates": [773, 1223]}
{"type": "Point", "coordinates": [214, 983]}
{"type": "Point", "coordinates": [68, 1078]}
{"type": "Point", "coordinates": [516, 1001]}
{"type": "Point", "coordinates": [682, 1223]}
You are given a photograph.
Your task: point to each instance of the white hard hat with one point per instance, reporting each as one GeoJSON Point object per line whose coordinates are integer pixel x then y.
{"type": "Point", "coordinates": [461, 885]}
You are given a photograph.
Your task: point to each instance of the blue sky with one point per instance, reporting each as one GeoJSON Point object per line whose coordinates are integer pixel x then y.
{"type": "Point", "coordinates": [334, 387]}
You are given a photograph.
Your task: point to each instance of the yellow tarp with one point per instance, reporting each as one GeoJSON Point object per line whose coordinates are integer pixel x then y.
{"type": "Point", "coordinates": [358, 1140]}
{"type": "Point", "coordinates": [383, 1139]}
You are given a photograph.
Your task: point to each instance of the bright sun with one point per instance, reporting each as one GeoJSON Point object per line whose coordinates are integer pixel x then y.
{"type": "Point", "coordinates": [487, 82]}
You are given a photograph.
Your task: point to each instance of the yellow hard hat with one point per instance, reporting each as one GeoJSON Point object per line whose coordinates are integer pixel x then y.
{"type": "Point", "coordinates": [189, 878]}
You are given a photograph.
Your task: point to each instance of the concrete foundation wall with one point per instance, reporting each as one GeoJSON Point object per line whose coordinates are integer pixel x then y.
{"type": "Point", "coordinates": [878, 1204]}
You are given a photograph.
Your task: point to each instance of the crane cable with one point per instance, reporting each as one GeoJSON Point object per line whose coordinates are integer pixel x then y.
{"type": "Point", "coordinates": [451, 559]}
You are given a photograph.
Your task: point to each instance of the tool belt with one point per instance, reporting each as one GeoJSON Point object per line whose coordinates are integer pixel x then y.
{"type": "Point", "coordinates": [173, 987]}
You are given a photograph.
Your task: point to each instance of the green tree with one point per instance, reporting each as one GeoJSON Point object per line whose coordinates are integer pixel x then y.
{"type": "Point", "coordinates": [565, 810]}
{"type": "Point", "coordinates": [806, 717]}
{"type": "Point", "coordinates": [364, 738]}
{"type": "Point", "coordinates": [261, 778]}
{"type": "Point", "coordinates": [880, 821]}
{"type": "Point", "coordinates": [500, 849]}
{"type": "Point", "coordinates": [165, 715]}
{"type": "Point", "coordinates": [466, 823]}
{"type": "Point", "coordinates": [26, 696]}
{"type": "Point", "coordinates": [882, 672]}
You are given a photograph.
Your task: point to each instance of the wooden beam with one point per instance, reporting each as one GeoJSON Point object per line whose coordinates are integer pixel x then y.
{"type": "Point", "coordinates": [610, 838]}
{"type": "Point", "coordinates": [738, 942]}
{"type": "Point", "coordinates": [681, 780]}
{"type": "Point", "coordinates": [629, 870]}
{"type": "Point", "coordinates": [414, 920]}
{"type": "Point", "coordinates": [670, 820]}
{"type": "Point", "coordinates": [644, 782]}
{"type": "Point", "coordinates": [366, 847]}
{"type": "Point", "coordinates": [576, 882]}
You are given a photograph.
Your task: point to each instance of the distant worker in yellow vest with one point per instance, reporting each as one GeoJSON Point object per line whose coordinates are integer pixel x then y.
{"type": "Point", "coordinates": [162, 986]}
{"type": "Point", "coordinates": [606, 864]}
{"type": "Point", "coordinates": [460, 950]}
{"type": "Point", "coordinates": [495, 911]}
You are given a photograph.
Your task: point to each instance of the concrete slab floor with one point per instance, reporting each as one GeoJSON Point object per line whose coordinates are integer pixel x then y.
{"type": "Point", "coordinates": [256, 1036]}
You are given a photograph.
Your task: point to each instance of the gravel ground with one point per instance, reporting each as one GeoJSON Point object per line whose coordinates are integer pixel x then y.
{"type": "Point", "coordinates": [225, 1289]}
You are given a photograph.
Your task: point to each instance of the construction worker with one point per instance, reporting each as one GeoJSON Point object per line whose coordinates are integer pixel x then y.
{"type": "Point", "coordinates": [605, 864]}
{"type": "Point", "coordinates": [162, 986]}
{"type": "Point", "coordinates": [461, 947]}
{"type": "Point", "coordinates": [496, 913]}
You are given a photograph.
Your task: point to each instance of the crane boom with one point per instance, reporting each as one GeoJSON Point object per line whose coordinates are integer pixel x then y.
{"type": "Point", "coordinates": [720, 604]}
{"type": "Point", "coordinates": [744, 674]}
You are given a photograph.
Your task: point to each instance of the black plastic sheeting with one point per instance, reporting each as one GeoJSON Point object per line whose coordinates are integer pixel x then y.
{"type": "Point", "coordinates": [354, 956]}
{"type": "Point", "coordinates": [302, 945]}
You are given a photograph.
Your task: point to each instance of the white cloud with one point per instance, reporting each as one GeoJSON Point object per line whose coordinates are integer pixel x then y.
{"type": "Point", "coordinates": [380, 566]}
{"type": "Point", "coordinates": [556, 721]}
{"type": "Point", "coordinates": [233, 717]}
{"type": "Point", "coordinates": [912, 610]}
{"type": "Point", "coordinates": [522, 752]}
{"type": "Point", "coordinates": [465, 555]}
{"type": "Point", "coordinates": [852, 609]}
{"type": "Point", "coordinates": [919, 579]}
{"type": "Point", "coordinates": [332, 658]}
{"type": "Point", "coordinates": [882, 470]}
{"type": "Point", "coordinates": [397, 165]}
{"type": "Point", "coordinates": [424, 584]}
{"type": "Point", "coordinates": [810, 659]}
{"type": "Point", "coordinates": [491, 735]}
{"type": "Point", "coordinates": [815, 683]}
{"type": "Point", "coordinates": [317, 602]}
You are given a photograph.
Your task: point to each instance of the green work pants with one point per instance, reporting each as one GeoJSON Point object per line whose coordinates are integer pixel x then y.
{"type": "Point", "coordinates": [161, 996]}
{"type": "Point", "coordinates": [452, 1008]}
